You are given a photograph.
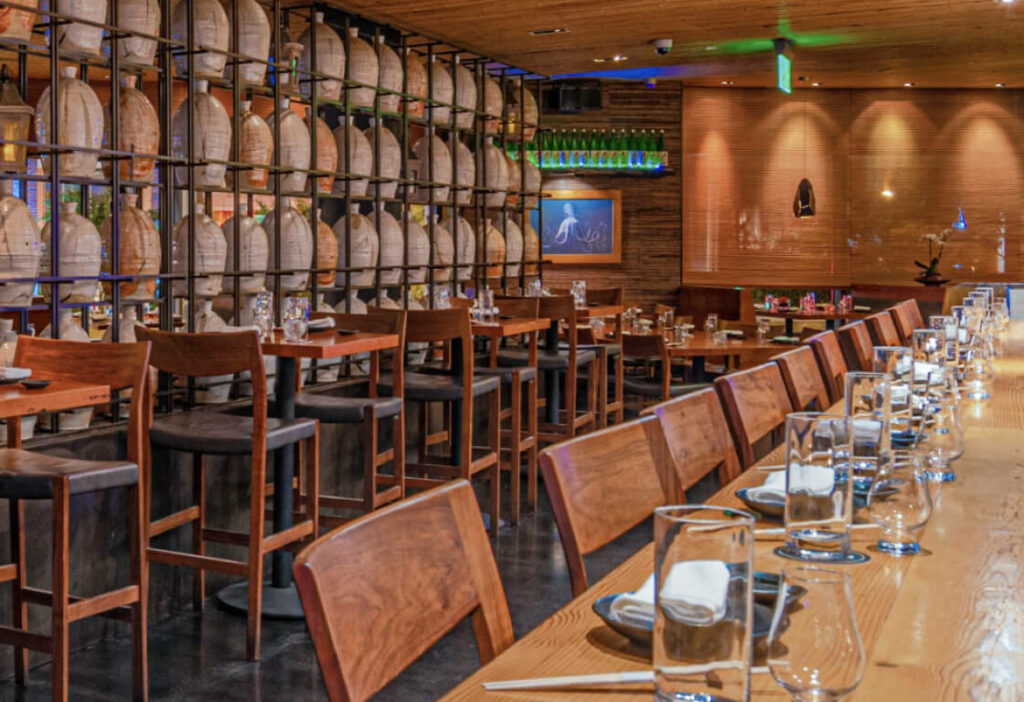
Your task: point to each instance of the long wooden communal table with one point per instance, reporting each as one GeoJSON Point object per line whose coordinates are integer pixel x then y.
{"type": "Point", "coordinates": [944, 625]}
{"type": "Point", "coordinates": [701, 344]}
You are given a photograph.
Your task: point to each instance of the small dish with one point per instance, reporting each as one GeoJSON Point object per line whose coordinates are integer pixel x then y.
{"type": "Point", "coordinates": [768, 507]}
{"type": "Point", "coordinates": [37, 384]}
{"type": "Point", "coordinates": [766, 589]}
{"type": "Point", "coordinates": [347, 332]}
{"type": "Point", "coordinates": [642, 635]}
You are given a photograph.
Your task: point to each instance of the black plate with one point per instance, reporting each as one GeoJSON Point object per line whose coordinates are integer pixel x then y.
{"type": "Point", "coordinates": [347, 331]}
{"type": "Point", "coordinates": [766, 589]}
{"type": "Point", "coordinates": [35, 384]}
{"type": "Point", "coordinates": [771, 508]}
{"type": "Point", "coordinates": [642, 635]}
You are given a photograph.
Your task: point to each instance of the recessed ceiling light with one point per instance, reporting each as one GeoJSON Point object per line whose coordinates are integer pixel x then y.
{"type": "Point", "coordinates": [617, 58]}
{"type": "Point", "coordinates": [887, 194]}
{"type": "Point", "coordinates": [710, 47]}
{"type": "Point", "coordinates": [908, 85]}
{"type": "Point", "coordinates": [554, 30]}
{"type": "Point", "coordinates": [1006, 2]}
{"type": "Point", "coordinates": [1000, 85]}
{"type": "Point", "coordinates": [816, 84]}
{"type": "Point", "coordinates": [726, 82]}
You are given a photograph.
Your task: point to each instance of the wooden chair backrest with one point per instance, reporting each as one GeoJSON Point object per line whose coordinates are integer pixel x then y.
{"type": "Point", "coordinates": [117, 365]}
{"type": "Point", "coordinates": [855, 341]}
{"type": "Point", "coordinates": [756, 403]}
{"type": "Point", "coordinates": [830, 361]}
{"type": "Point", "coordinates": [451, 325]}
{"type": "Point", "coordinates": [376, 320]}
{"type": "Point", "coordinates": [602, 485]}
{"type": "Point", "coordinates": [902, 320]}
{"type": "Point", "coordinates": [661, 308]}
{"type": "Point", "coordinates": [525, 307]}
{"type": "Point", "coordinates": [697, 437]}
{"type": "Point", "coordinates": [650, 347]}
{"type": "Point", "coordinates": [914, 314]}
{"type": "Point", "coordinates": [804, 381]}
{"type": "Point", "coordinates": [882, 329]}
{"type": "Point", "coordinates": [605, 296]}
{"type": "Point", "coordinates": [381, 590]}
{"type": "Point", "coordinates": [460, 303]}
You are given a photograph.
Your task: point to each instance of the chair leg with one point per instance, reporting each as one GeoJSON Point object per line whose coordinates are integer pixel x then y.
{"type": "Point", "coordinates": [257, 522]}
{"type": "Point", "coordinates": [399, 452]}
{"type": "Point", "coordinates": [370, 441]}
{"type": "Point", "coordinates": [61, 601]}
{"type": "Point", "coordinates": [531, 454]}
{"type": "Point", "coordinates": [312, 474]}
{"type": "Point", "coordinates": [17, 508]}
{"type": "Point", "coordinates": [515, 452]}
{"type": "Point", "coordinates": [570, 403]}
{"type": "Point", "coordinates": [424, 422]}
{"type": "Point", "coordinates": [198, 545]}
{"type": "Point", "coordinates": [602, 391]}
{"type": "Point", "coordinates": [139, 577]}
{"type": "Point", "coordinates": [495, 444]}
{"type": "Point", "coordinates": [620, 370]}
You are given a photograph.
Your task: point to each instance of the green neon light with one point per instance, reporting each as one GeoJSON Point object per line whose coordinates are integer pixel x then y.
{"type": "Point", "coordinates": [784, 70]}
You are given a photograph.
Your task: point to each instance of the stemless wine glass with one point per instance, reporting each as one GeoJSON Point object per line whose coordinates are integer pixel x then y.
{"type": "Point", "coordinates": [711, 323]}
{"type": "Point", "coordinates": [900, 502]}
{"type": "Point", "coordinates": [866, 399]}
{"type": "Point", "coordinates": [703, 614]}
{"type": "Point", "coordinates": [814, 647]}
{"type": "Point", "coordinates": [295, 321]}
{"type": "Point", "coordinates": [898, 363]}
{"type": "Point", "coordinates": [942, 435]}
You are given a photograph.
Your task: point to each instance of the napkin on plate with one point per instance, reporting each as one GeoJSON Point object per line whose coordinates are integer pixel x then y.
{"type": "Point", "coordinates": [12, 373]}
{"type": "Point", "coordinates": [810, 479]}
{"type": "Point", "coordinates": [695, 592]}
{"type": "Point", "coordinates": [320, 324]}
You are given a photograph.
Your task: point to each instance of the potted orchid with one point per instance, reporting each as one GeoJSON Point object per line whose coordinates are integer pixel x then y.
{"type": "Point", "coordinates": [936, 245]}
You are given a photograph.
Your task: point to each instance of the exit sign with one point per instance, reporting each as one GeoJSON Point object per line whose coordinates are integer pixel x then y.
{"type": "Point", "coordinates": [784, 69]}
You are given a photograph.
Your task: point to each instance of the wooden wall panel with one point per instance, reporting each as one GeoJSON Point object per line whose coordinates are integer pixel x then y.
{"type": "Point", "coordinates": [651, 207]}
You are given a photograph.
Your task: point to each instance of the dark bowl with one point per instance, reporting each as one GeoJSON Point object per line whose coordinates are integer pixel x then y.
{"type": "Point", "coordinates": [770, 508]}
{"type": "Point", "coordinates": [37, 384]}
{"type": "Point", "coordinates": [642, 635]}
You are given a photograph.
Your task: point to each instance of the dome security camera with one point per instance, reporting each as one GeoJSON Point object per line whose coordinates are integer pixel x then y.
{"type": "Point", "coordinates": [662, 46]}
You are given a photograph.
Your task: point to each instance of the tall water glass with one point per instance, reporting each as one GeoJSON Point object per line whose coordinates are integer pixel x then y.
{"type": "Point", "coordinates": [711, 322]}
{"type": "Point", "coordinates": [898, 363]}
{"type": "Point", "coordinates": [295, 320]}
{"type": "Point", "coordinates": [929, 346]}
{"type": "Point", "coordinates": [867, 399]}
{"type": "Point", "coordinates": [815, 653]}
{"type": "Point", "coordinates": [942, 435]}
{"type": "Point", "coordinates": [819, 488]}
{"type": "Point", "coordinates": [704, 563]}
{"type": "Point", "coordinates": [947, 323]}
{"type": "Point", "coordinates": [900, 502]}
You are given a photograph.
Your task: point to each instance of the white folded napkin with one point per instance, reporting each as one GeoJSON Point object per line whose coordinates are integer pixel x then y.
{"type": "Point", "coordinates": [695, 592]}
{"type": "Point", "coordinates": [810, 479]}
{"type": "Point", "coordinates": [922, 369]}
{"type": "Point", "coordinates": [321, 323]}
{"type": "Point", "coordinates": [13, 373]}
{"type": "Point", "coordinates": [867, 430]}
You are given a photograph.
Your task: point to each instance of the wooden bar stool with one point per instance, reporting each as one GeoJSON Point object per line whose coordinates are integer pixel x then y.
{"type": "Point", "coordinates": [756, 403]}
{"type": "Point", "coordinates": [561, 368]}
{"type": "Point", "coordinates": [455, 386]}
{"type": "Point", "coordinates": [369, 412]}
{"type": "Point", "coordinates": [831, 362]}
{"type": "Point", "coordinates": [610, 366]}
{"type": "Point", "coordinates": [26, 475]}
{"type": "Point", "coordinates": [855, 341]}
{"type": "Point", "coordinates": [219, 433]}
{"type": "Point", "coordinates": [654, 382]}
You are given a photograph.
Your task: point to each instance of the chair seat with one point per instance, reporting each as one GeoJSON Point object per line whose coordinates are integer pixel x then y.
{"type": "Point", "coordinates": [429, 387]}
{"type": "Point", "coordinates": [223, 433]}
{"type": "Point", "coordinates": [545, 359]}
{"type": "Point", "coordinates": [612, 349]}
{"type": "Point", "coordinates": [526, 373]}
{"type": "Point", "coordinates": [652, 388]}
{"type": "Point", "coordinates": [338, 409]}
{"type": "Point", "coordinates": [27, 475]}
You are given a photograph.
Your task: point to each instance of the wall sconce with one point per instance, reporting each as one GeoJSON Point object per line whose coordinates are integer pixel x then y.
{"type": "Point", "coordinates": [15, 117]}
{"type": "Point", "coordinates": [803, 203]}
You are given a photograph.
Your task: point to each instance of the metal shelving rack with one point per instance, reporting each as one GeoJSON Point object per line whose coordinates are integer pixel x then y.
{"type": "Point", "coordinates": [175, 201]}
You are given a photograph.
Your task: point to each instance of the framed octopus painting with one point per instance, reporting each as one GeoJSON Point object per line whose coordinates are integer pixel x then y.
{"type": "Point", "coordinates": [580, 226]}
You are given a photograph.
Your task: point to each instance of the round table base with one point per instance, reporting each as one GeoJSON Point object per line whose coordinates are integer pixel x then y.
{"type": "Point", "coordinates": [278, 602]}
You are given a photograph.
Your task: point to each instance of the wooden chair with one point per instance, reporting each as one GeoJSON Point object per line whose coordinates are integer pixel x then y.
{"type": "Point", "coordinates": [903, 321]}
{"type": "Point", "coordinates": [804, 381]}
{"type": "Point", "coordinates": [610, 373]}
{"type": "Point", "coordinates": [203, 433]}
{"type": "Point", "coordinates": [456, 386]}
{"type": "Point", "coordinates": [855, 341]}
{"type": "Point", "coordinates": [605, 296]}
{"type": "Point", "coordinates": [913, 314]}
{"type": "Point", "coordinates": [561, 368]}
{"type": "Point", "coordinates": [755, 403]}
{"type": "Point", "coordinates": [601, 486]}
{"type": "Point", "coordinates": [379, 591]}
{"type": "Point", "coordinates": [655, 380]}
{"type": "Point", "coordinates": [517, 440]}
{"type": "Point", "coordinates": [367, 412]}
{"type": "Point", "coordinates": [697, 437]}
{"type": "Point", "coordinates": [882, 329]}
{"type": "Point", "coordinates": [29, 476]}
{"type": "Point", "coordinates": [830, 361]}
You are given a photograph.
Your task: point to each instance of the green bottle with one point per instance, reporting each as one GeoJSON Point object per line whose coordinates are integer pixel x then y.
{"type": "Point", "coordinates": [662, 151]}
{"type": "Point", "coordinates": [584, 152]}
{"type": "Point", "coordinates": [531, 151]}
{"type": "Point", "coordinates": [563, 149]}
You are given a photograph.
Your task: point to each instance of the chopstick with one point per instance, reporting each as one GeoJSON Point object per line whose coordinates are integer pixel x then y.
{"type": "Point", "coordinates": [781, 531]}
{"type": "Point", "coordinates": [772, 468]}
{"type": "Point", "coordinates": [624, 678]}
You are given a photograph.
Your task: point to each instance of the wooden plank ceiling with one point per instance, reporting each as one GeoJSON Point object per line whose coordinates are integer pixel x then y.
{"type": "Point", "coordinates": [851, 43]}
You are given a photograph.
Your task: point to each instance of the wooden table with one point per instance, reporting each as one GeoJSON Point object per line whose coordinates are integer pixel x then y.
{"type": "Point", "coordinates": [599, 310]}
{"type": "Point", "coordinates": [701, 345]}
{"type": "Point", "coordinates": [830, 318]}
{"type": "Point", "coordinates": [944, 625]}
{"type": "Point", "coordinates": [281, 601]}
{"type": "Point", "coordinates": [512, 326]}
{"type": "Point", "coordinates": [16, 401]}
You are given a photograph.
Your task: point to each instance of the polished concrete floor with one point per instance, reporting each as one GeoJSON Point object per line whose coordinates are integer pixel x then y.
{"type": "Point", "coordinates": [200, 656]}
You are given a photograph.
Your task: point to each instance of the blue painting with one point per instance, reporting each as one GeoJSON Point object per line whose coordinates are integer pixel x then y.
{"type": "Point", "coordinates": [579, 229]}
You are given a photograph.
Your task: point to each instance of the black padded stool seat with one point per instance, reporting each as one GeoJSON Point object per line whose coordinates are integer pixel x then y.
{"type": "Point", "coordinates": [338, 409]}
{"type": "Point", "coordinates": [526, 373]}
{"type": "Point", "coordinates": [652, 388]}
{"type": "Point", "coordinates": [613, 349]}
{"type": "Point", "coordinates": [545, 359]}
{"type": "Point", "coordinates": [430, 387]}
{"type": "Point", "coordinates": [223, 433]}
{"type": "Point", "coordinates": [27, 475]}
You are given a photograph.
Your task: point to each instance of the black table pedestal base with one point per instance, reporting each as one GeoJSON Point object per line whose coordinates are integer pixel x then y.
{"type": "Point", "coordinates": [278, 602]}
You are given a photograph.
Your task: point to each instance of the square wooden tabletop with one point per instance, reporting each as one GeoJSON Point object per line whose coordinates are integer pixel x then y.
{"type": "Point", "coordinates": [328, 344]}
{"type": "Point", "coordinates": [18, 401]}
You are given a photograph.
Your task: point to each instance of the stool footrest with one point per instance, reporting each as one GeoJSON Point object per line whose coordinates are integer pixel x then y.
{"type": "Point", "coordinates": [191, 560]}
{"type": "Point", "coordinates": [44, 598]}
{"type": "Point", "coordinates": [91, 606]}
{"type": "Point", "coordinates": [292, 533]}
{"type": "Point", "coordinates": [173, 521]}
{"type": "Point", "coordinates": [25, 639]}
{"type": "Point", "coordinates": [224, 536]}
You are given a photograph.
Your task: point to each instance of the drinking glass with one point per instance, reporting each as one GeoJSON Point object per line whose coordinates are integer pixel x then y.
{"type": "Point", "coordinates": [929, 346]}
{"type": "Point", "coordinates": [579, 292]}
{"type": "Point", "coordinates": [947, 323]}
{"type": "Point", "coordinates": [942, 435]}
{"type": "Point", "coordinates": [819, 488]}
{"type": "Point", "coordinates": [814, 647]}
{"type": "Point", "coordinates": [898, 363]}
{"type": "Point", "coordinates": [263, 314]}
{"type": "Point", "coordinates": [867, 404]}
{"type": "Point", "coordinates": [764, 329]}
{"type": "Point", "coordinates": [720, 337]}
{"type": "Point", "coordinates": [900, 502]}
{"type": "Point", "coordinates": [597, 324]}
{"type": "Point", "coordinates": [295, 322]}
{"type": "Point", "coordinates": [533, 288]}
{"type": "Point", "coordinates": [711, 323]}
{"type": "Point", "coordinates": [704, 563]}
